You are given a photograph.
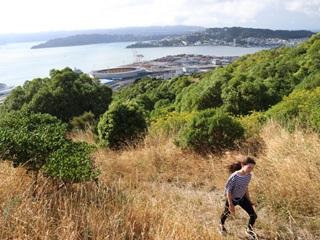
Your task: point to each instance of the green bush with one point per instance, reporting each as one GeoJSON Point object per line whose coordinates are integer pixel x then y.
{"type": "Point", "coordinates": [300, 108]}
{"type": "Point", "coordinates": [71, 163]}
{"type": "Point", "coordinates": [65, 94]}
{"type": "Point", "coordinates": [210, 130]}
{"type": "Point", "coordinates": [28, 139]}
{"type": "Point", "coordinates": [82, 122]}
{"type": "Point", "coordinates": [253, 123]}
{"type": "Point", "coordinates": [123, 123]}
{"type": "Point", "coordinates": [38, 142]}
{"type": "Point", "coordinates": [170, 123]}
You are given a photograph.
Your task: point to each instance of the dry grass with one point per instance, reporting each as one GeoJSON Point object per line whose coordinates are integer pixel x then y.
{"type": "Point", "coordinates": [156, 191]}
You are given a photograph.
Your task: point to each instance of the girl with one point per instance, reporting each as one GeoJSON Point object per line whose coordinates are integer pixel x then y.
{"type": "Point", "coordinates": [237, 192]}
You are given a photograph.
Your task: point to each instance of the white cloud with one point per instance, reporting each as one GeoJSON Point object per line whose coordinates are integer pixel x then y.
{"type": "Point", "coordinates": [309, 7]}
{"type": "Point", "coordinates": [39, 15]}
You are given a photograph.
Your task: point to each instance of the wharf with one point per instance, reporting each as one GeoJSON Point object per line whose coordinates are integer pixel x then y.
{"type": "Point", "coordinates": [174, 65]}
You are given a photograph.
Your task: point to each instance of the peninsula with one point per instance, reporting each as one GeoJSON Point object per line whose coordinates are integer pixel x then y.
{"type": "Point", "coordinates": [235, 36]}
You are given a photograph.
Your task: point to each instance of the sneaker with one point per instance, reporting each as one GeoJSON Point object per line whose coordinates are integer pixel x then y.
{"type": "Point", "coordinates": [251, 233]}
{"type": "Point", "coordinates": [222, 230]}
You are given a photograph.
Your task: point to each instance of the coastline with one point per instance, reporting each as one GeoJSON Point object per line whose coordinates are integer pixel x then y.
{"type": "Point", "coordinates": [168, 67]}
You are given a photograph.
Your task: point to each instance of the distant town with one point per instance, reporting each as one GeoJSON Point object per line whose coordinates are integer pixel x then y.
{"type": "Point", "coordinates": [236, 36]}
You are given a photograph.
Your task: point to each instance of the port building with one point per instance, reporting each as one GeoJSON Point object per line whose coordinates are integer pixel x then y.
{"type": "Point", "coordinates": [118, 73]}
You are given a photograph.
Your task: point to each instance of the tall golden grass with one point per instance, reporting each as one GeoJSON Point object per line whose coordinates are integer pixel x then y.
{"type": "Point", "coordinates": [157, 191]}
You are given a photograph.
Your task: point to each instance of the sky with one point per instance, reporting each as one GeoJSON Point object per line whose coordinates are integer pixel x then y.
{"type": "Point", "coordinates": [29, 16]}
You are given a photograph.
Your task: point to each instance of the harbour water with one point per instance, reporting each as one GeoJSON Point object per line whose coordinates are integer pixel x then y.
{"type": "Point", "coordinates": [18, 62]}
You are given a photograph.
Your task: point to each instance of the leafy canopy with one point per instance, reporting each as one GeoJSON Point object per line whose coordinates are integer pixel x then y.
{"type": "Point", "coordinates": [210, 131]}
{"type": "Point", "coordinates": [65, 94]}
{"type": "Point", "coordinates": [121, 124]}
{"type": "Point", "coordinates": [38, 142]}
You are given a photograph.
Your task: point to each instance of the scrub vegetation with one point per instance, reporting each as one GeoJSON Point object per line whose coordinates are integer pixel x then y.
{"type": "Point", "coordinates": [149, 161]}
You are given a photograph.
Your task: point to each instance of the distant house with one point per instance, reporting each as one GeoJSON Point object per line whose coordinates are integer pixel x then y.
{"type": "Point", "coordinates": [189, 70]}
{"type": "Point", "coordinates": [216, 62]}
{"type": "Point", "coordinates": [187, 62]}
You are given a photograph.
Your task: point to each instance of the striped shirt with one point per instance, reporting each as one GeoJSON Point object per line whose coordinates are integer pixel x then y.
{"type": "Point", "coordinates": [237, 185]}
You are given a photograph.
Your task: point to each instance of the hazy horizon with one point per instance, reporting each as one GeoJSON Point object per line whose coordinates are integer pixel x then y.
{"type": "Point", "coordinates": [132, 27]}
{"type": "Point", "coordinates": [152, 30]}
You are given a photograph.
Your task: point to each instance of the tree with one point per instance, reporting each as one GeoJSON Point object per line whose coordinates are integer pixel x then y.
{"type": "Point", "coordinates": [121, 124]}
{"type": "Point", "coordinates": [203, 94]}
{"type": "Point", "coordinates": [65, 94]}
{"type": "Point", "coordinates": [38, 142]}
{"type": "Point", "coordinates": [242, 96]}
{"type": "Point", "coordinates": [210, 131]}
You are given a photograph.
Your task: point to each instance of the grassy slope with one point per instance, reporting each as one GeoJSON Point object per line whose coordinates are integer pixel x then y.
{"type": "Point", "coordinates": [156, 191]}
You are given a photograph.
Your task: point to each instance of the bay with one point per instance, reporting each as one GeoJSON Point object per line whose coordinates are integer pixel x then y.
{"type": "Point", "coordinates": [18, 62]}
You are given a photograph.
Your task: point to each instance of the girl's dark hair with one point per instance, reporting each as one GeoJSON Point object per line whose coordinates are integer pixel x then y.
{"type": "Point", "coordinates": [242, 159]}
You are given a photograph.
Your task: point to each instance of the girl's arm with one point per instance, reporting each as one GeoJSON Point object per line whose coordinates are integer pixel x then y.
{"type": "Point", "coordinates": [231, 206]}
{"type": "Point", "coordinates": [248, 196]}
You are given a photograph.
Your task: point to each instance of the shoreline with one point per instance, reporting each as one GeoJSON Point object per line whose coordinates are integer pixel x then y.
{"type": "Point", "coordinates": [170, 66]}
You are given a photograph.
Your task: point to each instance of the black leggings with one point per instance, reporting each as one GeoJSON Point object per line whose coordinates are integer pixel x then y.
{"type": "Point", "coordinates": [245, 204]}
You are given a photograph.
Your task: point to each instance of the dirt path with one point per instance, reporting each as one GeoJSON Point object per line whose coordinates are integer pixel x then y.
{"type": "Point", "coordinates": [205, 208]}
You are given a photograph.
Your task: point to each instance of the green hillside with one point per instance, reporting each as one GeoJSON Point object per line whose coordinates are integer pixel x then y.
{"type": "Point", "coordinates": [260, 82]}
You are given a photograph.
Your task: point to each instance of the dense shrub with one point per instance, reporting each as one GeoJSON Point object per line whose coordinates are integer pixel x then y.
{"type": "Point", "coordinates": [38, 142]}
{"type": "Point", "coordinates": [65, 94]}
{"type": "Point", "coordinates": [72, 163]}
{"type": "Point", "coordinates": [82, 122]}
{"type": "Point", "coordinates": [210, 131]}
{"type": "Point", "coordinates": [300, 107]}
{"type": "Point", "coordinates": [123, 123]}
{"type": "Point", "coordinates": [170, 122]}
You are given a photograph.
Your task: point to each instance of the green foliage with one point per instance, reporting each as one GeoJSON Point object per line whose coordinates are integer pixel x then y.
{"type": "Point", "coordinates": [253, 123]}
{"type": "Point", "coordinates": [257, 81]}
{"type": "Point", "coordinates": [300, 106]}
{"type": "Point", "coordinates": [83, 122]}
{"type": "Point", "coordinates": [34, 141]}
{"type": "Point", "coordinates": [71, 163]}
{"type": "Point", "coordinates": [170, 123]}
{"type": "Point", "coordinates": [123, 123]}
{"type": "Point", "coordinates": [65, 94]}
{"type": "Point", "coordinates": [15, 100]}
{"type": "Point", "coordinates": [203, 94]}
{"type": "Point", "coordinates": [311, 81]}
{"type": "Point", "coordinates": [139, 88]}
{"type": "Point", "coordinates": [28, 139]}
{"type": "Point", "coordinates": [148, 91]}
{"type": "Point", "coordinates": [210, 130]}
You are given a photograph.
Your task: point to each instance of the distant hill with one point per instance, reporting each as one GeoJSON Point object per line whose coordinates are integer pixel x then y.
{"type": "Point", "coordinates": [229, 34]}
{"type": "Point", "coordinates": [86, 39]}
{"type": "Point", "coordinates": [116, 35]}
{"type": "Point", "coordinates": [235, 36]}
{"type": "Point", "coordinates": [175, 36]}
{"type": "Point", "coordinates": [45, 36]}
